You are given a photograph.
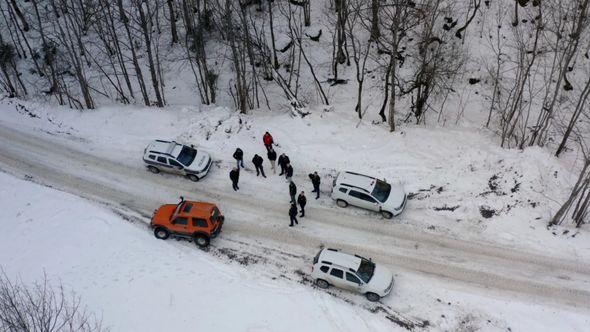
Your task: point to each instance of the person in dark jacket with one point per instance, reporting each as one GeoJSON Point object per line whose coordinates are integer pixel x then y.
{"type": "Point", "coordinates": [288, 172]}
{"type": "Point", "coordinates": [234, 176]}
{"type": "Point", "coordinates": [257, 161]}
{"type": "Point", "coordinates": [268, 140]}
{"type": "Point", "coordinates": [292, 191]}
{"type": "Point", "coordinates": [293, 214]}
{"type": "Point", "coordinates": [239, 157]}
{"type": "Point", "coordinates": [283, 161]}
{"type": "Point", "coordinates": [315, 181]}
{"type": "Point", "coordinates": [272, 157]}
{"type": "Point", "coordinates": [301, 200]}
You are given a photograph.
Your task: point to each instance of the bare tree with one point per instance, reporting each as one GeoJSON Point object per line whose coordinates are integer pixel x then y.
{"type": "Point", "coordinates": [42, 308]}
{"type": "Point", "coordinates": [437, 60]}
{"type": "Point", "coordinates": [25, 25]}
{"type": "Point", "coordinates": [579, 197]}
{"type": "Point", "coordinates": [397, 19]}
{"type": "Point", "coordinates": [354, 30]}
{"type": "Point", "coordinates": [564, 56]}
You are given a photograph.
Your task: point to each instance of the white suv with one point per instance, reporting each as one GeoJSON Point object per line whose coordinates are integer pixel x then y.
{"type": "Point", "coordinates": [173, 157]}
{"type": "Point", "coordinates": [370, 193]}
{"type": "Point", "coordinates": [352, 272]}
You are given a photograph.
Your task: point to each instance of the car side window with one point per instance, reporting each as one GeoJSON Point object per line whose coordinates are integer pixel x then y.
{"type": "Point", "coordinates": [352, 278]}
{"type": "Point", "coordinates": [174, 163]}
{"type": "Point", "coordinates": [362, 196]}
{"type": "Point", "coordinates": [337, 273]}
{"type": "Point", "coordinates": [197, 222]}
{"type": "Point", "coordinates": [343, 190]}
{"type": "Point", "coordinates": [162, 160]}
{"type": "Point", "coordinates": [324, 269]}
{"type": "Point", "coordinates": [180, 221]}
{"type": "Point", "coordinates": [152, 157]}
{"type": "Point", "coordinates": [354, 193]}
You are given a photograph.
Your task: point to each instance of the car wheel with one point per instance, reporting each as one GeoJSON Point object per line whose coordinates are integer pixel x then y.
{"type": "Point", "coordinates": [341, 203]}
{"type": "Point", "coordinates": [373, 297]}
{"type": "Point", "coordinates": [161, 233]}
{"type": "Point", "coordinates": [201, 240]}
{"type": "Point", "coordinates": [321, 283]}
{"type": "Point", "coordinates": [193, 177]}
{"type": "Point", "coordinates": [387, 214]}
{"type": "Point", "coordinates": [153, 169]}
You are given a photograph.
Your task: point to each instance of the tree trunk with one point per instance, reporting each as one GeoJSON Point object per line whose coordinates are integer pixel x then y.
{"type": "Point", "coordinates": [375, 32]}
{"type": "Point", "coordinates": [20, 15]}
{"type": "Point", "coordinates": [172, 21]}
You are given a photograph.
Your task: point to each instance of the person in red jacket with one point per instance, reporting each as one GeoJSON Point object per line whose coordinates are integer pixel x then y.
{"type": "Point", "coordinates": [267, 140]}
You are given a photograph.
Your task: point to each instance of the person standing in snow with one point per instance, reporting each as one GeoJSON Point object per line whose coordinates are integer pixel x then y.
{"type": "Point", "coordinates": [293, 214]}
{"type": "Point", "coordinates": [283, 161]}
{"type": "Point", "coordinates": [239, 157]}
{"type": "Point", "coordinates": [288, 172]}
{"type": "Point", "coordinates": [315, 181]}
{"type": "Point", "coordinates": [234, 176]}
{"type": "Point", "coordinates": [257, 161]}
{"type": "Point", "coordinates": [268, 141]}
{"type": "Point", "coordinates": [292, 191]}
{"type": "Point", "coordinates": [272, 157]}
{"type": "Point", "coordinates": [302, 200]}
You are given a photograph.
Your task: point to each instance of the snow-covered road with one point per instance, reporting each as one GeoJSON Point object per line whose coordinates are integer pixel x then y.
{"type": "Point", "coordinates": [263, 220]}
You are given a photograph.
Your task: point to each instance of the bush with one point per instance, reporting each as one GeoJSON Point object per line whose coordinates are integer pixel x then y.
{"type": "Point", "coordinates": [43, 308]}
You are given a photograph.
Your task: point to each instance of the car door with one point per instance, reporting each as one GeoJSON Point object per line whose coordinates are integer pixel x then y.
{"type": "Point", "coordinates": [337, 277]}
{"type": "Point", "coordinates": [200, 225]}
{"type": "Point", "coordinates": [180, 225]}
{"type": "Point", "coordinates": [163, 164]}
{"type": "Point", "coordinates": [363, 200]}
{"type": "Point", "coordinates": [175, 167]}
{"type": "Point", "coordinates": [352, 282]}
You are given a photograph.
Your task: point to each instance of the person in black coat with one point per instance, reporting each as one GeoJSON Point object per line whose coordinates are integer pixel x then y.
{"type": "Point", "coordinates": [315, 181]}
{"type": "Point", "coordinates": [292, 191]}
{"type": "Point", "coordinates": [293, 214]}
{"type": "Point", "coordinates": [302, 200]}
{"type": "Point", "coordinates": [288, 172]}
{"type": "Point", "coordinates": [283, 161]}
{"type": "Point", "coordinates": [272, 157]}
{"type": "Point", "coordinates": [257, 161]}
{"type": "Point", "coordinates": [234, 176]}
{"type": "Point", "coordinates": [239, 157]}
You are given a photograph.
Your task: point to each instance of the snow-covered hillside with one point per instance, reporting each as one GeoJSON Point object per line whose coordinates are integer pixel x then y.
{"type": "Point", "coordinates": [484, 121]}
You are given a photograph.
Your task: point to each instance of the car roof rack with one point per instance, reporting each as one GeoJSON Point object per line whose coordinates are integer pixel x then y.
{"type": "Point", "coordinates": [354, 173]}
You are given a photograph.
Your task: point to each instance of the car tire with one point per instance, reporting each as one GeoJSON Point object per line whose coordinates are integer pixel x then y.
{"type": "Point", "coordinates": [201, 240]}
{"type": "Point", "coordinates": [373, 297]}
{"type": "Point", "coordinates": [321, 283]}
{"type": "Point", "coordinates": [193, 177]}
{"type": "Point", "coordinates": [161, 233]}
{"type": "Point", "coordinates": [341, 203]}
{"type": "Point", "coordinates": [153, 169]}
{"type": "Point", "coordinates": [387, 214]}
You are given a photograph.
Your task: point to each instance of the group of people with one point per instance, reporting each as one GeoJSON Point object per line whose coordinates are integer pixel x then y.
{"type": "Point", "coordinates": [286, 169]}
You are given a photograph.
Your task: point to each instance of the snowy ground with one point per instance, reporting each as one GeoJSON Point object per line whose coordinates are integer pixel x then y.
{"type": "Point", "coordinates": [266, 287]}
{"type": "Point", "coordinates": [461, 183]}
{"type": "Point", "coordinates": [136, 282]}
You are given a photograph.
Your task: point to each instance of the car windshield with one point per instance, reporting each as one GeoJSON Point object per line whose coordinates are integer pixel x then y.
{"type": "Point", "coordinates": [381, 190]}
{"type": "Point", "coordinates": [187, 155]}
{"type": "Point", "coordinates": [215, 214]}
{"type": "Point", "coordinates": [366, 270]}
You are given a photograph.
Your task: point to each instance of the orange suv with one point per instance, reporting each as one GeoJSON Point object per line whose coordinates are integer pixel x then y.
{"type": "Point", "coordinates": [198, 221]}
